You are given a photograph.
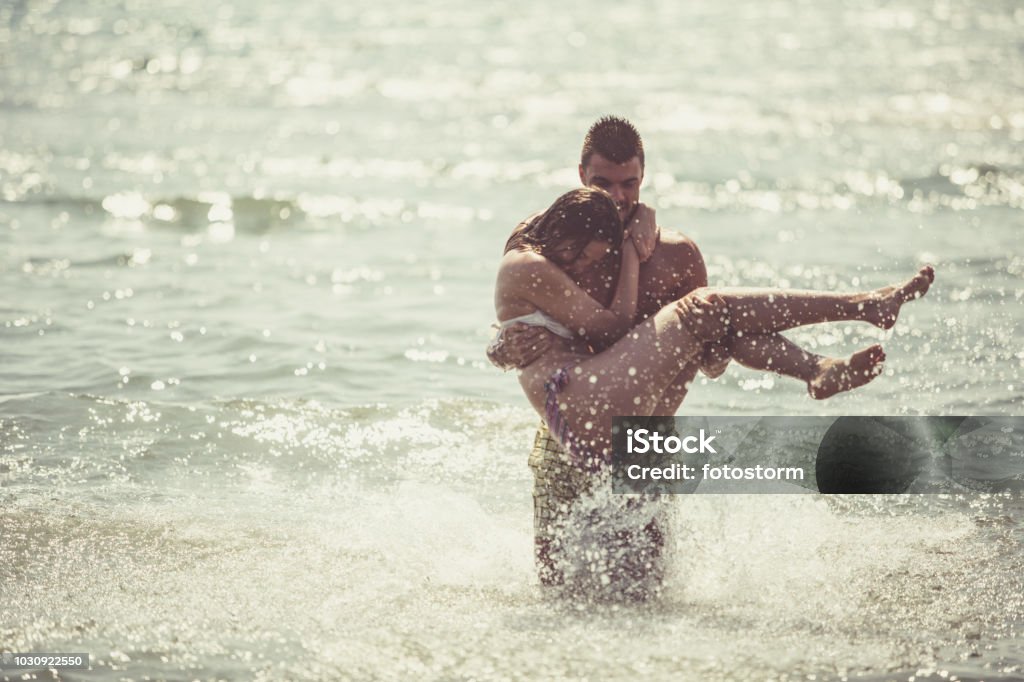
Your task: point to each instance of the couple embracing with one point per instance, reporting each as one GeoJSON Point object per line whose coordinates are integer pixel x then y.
{"type": "Point", "coordinates": [604, 314]}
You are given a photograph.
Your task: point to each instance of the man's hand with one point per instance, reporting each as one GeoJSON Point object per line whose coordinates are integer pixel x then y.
{"type": "Point", "coordinates": [643, 229]}
{"type": "Point", "coordinates": [518, 346]}
{"type": "Point", "coordinates": [705, 317]}
{"type": "Point", "coordinates": [715, 359]}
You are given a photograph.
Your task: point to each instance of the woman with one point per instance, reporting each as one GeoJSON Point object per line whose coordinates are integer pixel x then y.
{"type": "Point", "coordinates": [577, 393]}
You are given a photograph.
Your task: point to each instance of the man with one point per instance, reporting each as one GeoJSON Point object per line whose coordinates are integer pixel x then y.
{"type": "Point", "coordinates": [672, 266]}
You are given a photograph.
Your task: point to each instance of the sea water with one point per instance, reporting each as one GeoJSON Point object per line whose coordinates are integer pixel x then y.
{"type": "Point", "coordinates": [247, 255]}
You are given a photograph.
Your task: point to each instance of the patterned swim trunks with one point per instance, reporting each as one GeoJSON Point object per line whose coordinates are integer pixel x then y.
{"type": "Point", "coordinates": [570, 517]}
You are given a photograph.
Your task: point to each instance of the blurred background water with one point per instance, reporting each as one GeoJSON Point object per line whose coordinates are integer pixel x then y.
{"type": "Point", "coordinates": [247, 251]}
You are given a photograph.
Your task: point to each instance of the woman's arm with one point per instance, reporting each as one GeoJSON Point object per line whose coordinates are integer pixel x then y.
{"type": "Point", "coordinates": [627, 288]}
{"type": "Point", "coordinates": [532, 278]}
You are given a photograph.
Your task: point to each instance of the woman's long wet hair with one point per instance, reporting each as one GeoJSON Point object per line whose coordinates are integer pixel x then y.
{"type": "Point", "coordinates": [573, 221]}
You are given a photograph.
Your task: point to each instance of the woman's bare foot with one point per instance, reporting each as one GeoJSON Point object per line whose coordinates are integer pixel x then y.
{"type": "Point", "coordinates": [882, 306]}
{"type": "Point", "coordinates": [837, 375]}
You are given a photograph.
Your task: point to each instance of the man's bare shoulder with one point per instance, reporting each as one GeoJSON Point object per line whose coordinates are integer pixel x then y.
{"type": "Point", "coordinates": [676, 244]}
{"type": "Point", "coordinates": [674, 269]}
{"type": "Point", "coordinates": [678, 253]}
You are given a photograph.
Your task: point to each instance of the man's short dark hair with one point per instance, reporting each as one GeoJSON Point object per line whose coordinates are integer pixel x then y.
{"type": "Point", "coordinates": [613, 138]}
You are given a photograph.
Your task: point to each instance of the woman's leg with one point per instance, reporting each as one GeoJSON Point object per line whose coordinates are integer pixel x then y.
{"type": "Point", "coordinates": [669, 401]}
{"type": "Point", "coordinates": [762, 311]}
{"type": "Point", "coordinates": [824, 376]}
{"type": "Point", "coordinates": [630, 377]}
{"type": "Point", "coordinates": [749, 345]}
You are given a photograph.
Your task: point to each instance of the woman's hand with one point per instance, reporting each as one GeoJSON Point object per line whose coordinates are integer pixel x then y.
{"type": "Point", "coordinates": [630, 252]}
{"type": "Point", "coordinates": [643, 228]}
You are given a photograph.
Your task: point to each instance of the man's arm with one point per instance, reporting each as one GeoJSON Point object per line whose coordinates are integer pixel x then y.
{"type": "Point", "coordinates": [676, 269]}
{"type": "Point", "coordinates": [518, 346]}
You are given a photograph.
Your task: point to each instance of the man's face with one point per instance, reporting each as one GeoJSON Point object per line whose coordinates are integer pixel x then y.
{"type": "Point", "coordinates": [621, 180]}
